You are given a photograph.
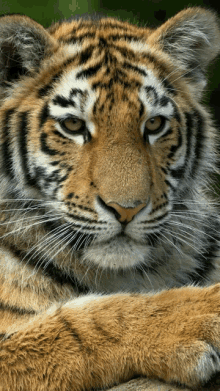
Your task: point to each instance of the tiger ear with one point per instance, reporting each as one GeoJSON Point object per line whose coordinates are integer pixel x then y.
{"type": "Point", "coordinates": [192, 39]}
{"type": "Point", "coordinates": [23, 45]}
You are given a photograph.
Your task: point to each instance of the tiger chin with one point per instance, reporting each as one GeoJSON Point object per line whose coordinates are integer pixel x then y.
{"type": "Point", "coordinates": [109, 235]}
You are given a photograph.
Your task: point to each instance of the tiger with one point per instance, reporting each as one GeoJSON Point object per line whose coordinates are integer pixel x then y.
{"type": "Point", "coordinates": [110, 251]}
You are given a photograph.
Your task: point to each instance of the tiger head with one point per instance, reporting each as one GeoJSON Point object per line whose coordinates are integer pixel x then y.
{"type": "Point", "coordinates": [101, 120]}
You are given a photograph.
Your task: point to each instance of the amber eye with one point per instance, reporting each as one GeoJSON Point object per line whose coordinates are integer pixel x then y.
{"type": "Point", "coordinates": [154, 124]}
{"type": "Point", "coordinates": [73, 124]}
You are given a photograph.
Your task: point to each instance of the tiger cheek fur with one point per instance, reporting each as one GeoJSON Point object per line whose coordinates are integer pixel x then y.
{"type": "Point", "coordinates": [109, 252]}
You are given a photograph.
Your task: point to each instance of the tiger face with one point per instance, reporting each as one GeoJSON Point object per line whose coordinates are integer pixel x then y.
{"type": "Point", "coordinates": [106, 125]}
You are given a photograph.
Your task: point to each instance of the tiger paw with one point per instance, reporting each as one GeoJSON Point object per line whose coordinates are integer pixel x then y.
{"type": "Point", "coordinates": [182, 344]}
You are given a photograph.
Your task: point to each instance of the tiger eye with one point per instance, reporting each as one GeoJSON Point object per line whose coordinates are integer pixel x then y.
{"type": "Point", "coordinates": [154, 124]}
{"type": "Point", "coordinates": [74, 124]}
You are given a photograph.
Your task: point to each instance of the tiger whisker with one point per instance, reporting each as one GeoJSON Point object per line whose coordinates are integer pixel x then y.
{"type": "Point", "coordinates": [40, 246]}
{"type": "Point", "coordinates": [54, 255]}
{"type": "Point", "coordinates": [27, 227]}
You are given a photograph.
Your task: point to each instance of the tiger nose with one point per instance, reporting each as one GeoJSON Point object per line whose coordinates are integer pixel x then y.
{"type": "Point", "coordinates": [125, 215]}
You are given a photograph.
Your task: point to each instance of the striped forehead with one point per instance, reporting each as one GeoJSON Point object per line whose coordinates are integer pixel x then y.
{"type": "Point", "coordinates": [75, 96]}
{"type": "Point", "coordinates": [154, 96]}
{"type": "Point", "coordinates": [72, 96]}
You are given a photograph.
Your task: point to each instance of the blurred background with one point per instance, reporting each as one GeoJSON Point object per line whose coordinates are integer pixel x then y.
{"type": "Point", "coordinates": [143, 12]}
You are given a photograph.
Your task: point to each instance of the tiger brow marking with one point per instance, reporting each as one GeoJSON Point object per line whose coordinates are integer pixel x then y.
{"type": "Point", "coordinates": [48, 87]}
{"type": "Point", "coordinates": [75, 91]}
{"type": "Point", "coordinates": [43, 91]}
{"type": "Point", "coordinates": [148, 90]}
{"type": "Point", "coordinates": [63, 102]}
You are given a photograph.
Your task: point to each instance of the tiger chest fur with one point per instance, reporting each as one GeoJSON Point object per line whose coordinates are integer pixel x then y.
{"type": "Point", "coordinates": [106, 155]}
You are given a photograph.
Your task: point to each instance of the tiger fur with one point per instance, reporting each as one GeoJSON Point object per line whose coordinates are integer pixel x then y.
{"type": "Point", "coordinates": [109, 256]}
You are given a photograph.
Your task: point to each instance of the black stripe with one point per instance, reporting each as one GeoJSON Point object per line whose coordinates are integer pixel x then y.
{"type": "Point", "coordinates": [164, 170]}
{"type": "Point", "coordinates": [167, 133]}
{"type": "Point", "coordinates": [206, 260]}
{"type": "Point", "coordinates": [7, 165]}
{"type": "Point", "coordinates": [174, 148]}
{"type": "Point", "coordinates": [102, 42]}
{"type": "Point", "coordinates": [43, 91]}
{"type": "Point", "coordinates": [141, 109]}
{"type": "Point", "coordinates": [79, 38]}
{"type": "Point", "coordinates": [169, 87]}
{"type": "Point", "coordinates": [75, 335]}
{"type": "Point", "coordinates": [72, 330]}
{"type": "Point", "coordinates": [81, 207]}
{"type": "Point", "coordinates": [55, 162]}
{"type": "Point", "coordinates": [127, 53]}
{"type": "Point", "coordinates": [131, 85]}
{"type": "Point", "coordinates": [81, 218]}
{"type": "Point", "coordinates": [63, 102]}
{"type": "Point", "coordinates": [85, 55]}
{"type": "Point", "coordinates": [189, 126]}
{"type": "Point", "coordinates": [110, 337]}
{"type": "Point", "coordinates": [15, 309]}
{"type": "Point", "coordinates": [134, 68]}
{"type": "Point", "coordinates": [75, 91]}
{"type": "Point", "coordinates": [156, 218]}
{"type": "Point", "coordinates": [45, 148]}
{"type": "Point", "coordinates": [50, 269]}
{"type": "Point", "coordinates": [169, 185]}
{"type": "Point", "coordinates": [176, 111]}
{"type": "Point", "coordinates": [60, 135]}
{"type": "Point", "coordinates": [112, 25]}
{"type": "Point", "coordinates": [23, 133]}
{"type": "Point", "coordinates": [149, 90]}
{"type": "Point", "coordinates": [200, 140]}
{"type": "Point", "coordinates": [89, 72]}
{"type": "Point", "coordinates": [159, 207]}
{"type": "Point", "coordinates": [155, 60]}
{"type": "Point", "coordinates": [125, 37]}
{"type": "Point", "coordinates": [44, 114]}
{"type": "Point", "coordinates": [164, 101]}
{"type": "Point", "coordinates": [178, 172]}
